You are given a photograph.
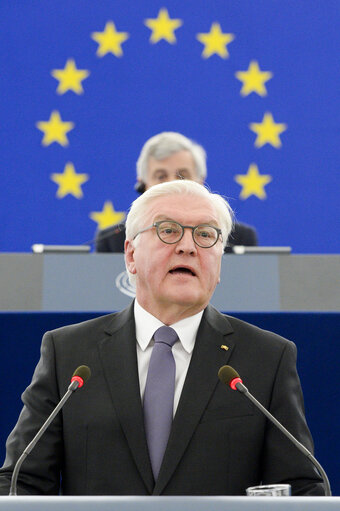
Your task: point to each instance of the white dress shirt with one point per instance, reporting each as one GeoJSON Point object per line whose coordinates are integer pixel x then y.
{"type": "Point", "coordinates": [186, 329]}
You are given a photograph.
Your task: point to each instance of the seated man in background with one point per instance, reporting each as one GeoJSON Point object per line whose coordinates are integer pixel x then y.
{"type": "Point", "coordinates": [166, 157]}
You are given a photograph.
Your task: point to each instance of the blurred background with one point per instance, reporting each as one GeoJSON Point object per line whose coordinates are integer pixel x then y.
{"type": "Point", "coordinates": [84, 84]}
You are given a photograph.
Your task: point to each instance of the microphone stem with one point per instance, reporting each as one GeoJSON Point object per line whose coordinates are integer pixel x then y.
{"type": "Point", "coordinates": [243, 389]}
{"type": "Point", "coordinates": [71, 388]}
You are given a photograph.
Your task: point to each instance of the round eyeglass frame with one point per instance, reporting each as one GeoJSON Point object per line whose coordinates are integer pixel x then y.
{"type": "Point", "coordinates": [193, 228]}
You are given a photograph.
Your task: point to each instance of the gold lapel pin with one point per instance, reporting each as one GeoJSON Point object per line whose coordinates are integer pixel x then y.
{"type": "Point", "coordinates": [224, 347]}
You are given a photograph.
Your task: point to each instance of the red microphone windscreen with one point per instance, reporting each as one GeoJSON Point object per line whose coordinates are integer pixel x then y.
{"type": "Point", "coordinates": [227, 374]}
{"type": "Point", "coordinates": [81, 374]}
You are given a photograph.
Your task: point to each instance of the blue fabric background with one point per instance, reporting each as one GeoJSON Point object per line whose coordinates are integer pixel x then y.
{"type": "Point", "coordinates": [315, 334]}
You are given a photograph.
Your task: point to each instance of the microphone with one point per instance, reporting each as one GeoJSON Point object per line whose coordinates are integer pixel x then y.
{"type": "Point", "coordinates": [230, 377]}
{"type": "Point", "coordinates": [79, 377]}
{"type": "Point", "coordinates": [82, 248]}
{"type": "Point", "coordinates": [103, 235]}
{"type": "Point", "coordinates": [140, 187]}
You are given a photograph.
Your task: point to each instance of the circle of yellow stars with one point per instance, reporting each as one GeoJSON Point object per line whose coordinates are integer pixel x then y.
{"type": "Point", "coordinates": [163, 27]}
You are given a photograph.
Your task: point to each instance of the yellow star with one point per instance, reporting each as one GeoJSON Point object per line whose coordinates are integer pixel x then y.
{"type": "Point", "coordinates": [70, 77]}
{"type": "Point", "coordinates": [253, 182]}
{"type": "Point", "coordinates": [69, 182]}
{"type": "Point", "coordinates": [55, 129]}
{"type": "Point", "coordinates": [254, 79]}
{"type": "Point", "coordinates": [215, 42]}
{"type": "Point", "coordinates": [107, 217]}
{"type": "Point", "coordinates": [110, 40]}
{"type": "Point", "coordinates": [268, 132]}
{"type": "Point", "coordinates": [163, 27]}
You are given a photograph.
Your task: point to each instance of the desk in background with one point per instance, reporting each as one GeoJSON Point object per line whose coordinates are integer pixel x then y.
{"type": "Point", "coordinates": [98, 282]}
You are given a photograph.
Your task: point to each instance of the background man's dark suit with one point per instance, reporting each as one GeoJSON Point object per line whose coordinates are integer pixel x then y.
{"type": "Point", "coordinates": [112, 239]}
{"type": "Point", "coordinates": [219, 444]}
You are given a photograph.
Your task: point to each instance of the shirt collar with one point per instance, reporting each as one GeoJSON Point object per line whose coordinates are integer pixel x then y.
{"type": "Point", "coordinates": [147, 324]}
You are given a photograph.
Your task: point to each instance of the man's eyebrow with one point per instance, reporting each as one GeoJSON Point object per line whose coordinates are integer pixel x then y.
{"type": "Point", "coordinates": [159, 218]}
{"type": "Point", "coordinates": [163, 217]}
{"type": "Point", "coordinates": [159, 170]}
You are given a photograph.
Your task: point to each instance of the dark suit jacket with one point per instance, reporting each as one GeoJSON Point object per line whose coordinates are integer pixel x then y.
{"type": "Point", "coordinates": [112, 239]}
{"type": "Point", "coordinates": [219, 443]}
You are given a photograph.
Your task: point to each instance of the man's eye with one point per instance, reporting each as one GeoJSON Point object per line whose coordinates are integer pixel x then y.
{"type": "Point", "coordinates": [204, 234]}
{"type": "Point", "coordinates": [183, 174]}
{"type": "Point", "coordinates": [168, 230]}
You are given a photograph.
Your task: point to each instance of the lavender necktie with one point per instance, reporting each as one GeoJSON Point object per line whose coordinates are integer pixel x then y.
{"type": "Point", "coordinates": [159, 395]}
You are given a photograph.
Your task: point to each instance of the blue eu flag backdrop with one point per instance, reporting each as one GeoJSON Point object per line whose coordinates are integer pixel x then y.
{"type": "Point", "coordinates": [84, 84]}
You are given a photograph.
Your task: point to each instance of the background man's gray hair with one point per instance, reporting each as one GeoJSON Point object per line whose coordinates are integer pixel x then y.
{"type": "Point", "coordinates": [135, 220]}
{"type": "Point", "coordinates": [166, 144]}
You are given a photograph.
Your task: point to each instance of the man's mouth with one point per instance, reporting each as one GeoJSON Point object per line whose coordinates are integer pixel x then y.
{"type": "Point", "coordinates": [182, 270]}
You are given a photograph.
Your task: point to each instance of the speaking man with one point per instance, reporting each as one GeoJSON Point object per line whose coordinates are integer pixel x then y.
{"type": "Point", "coordinates": [154, 419]}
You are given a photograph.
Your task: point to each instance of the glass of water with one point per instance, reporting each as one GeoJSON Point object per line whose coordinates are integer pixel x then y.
{"type": "Point", "coordinates": [269, 490]}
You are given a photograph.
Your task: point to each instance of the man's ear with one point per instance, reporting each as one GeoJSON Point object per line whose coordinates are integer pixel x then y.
{"type": "Point", "coordinates": [129, 250]}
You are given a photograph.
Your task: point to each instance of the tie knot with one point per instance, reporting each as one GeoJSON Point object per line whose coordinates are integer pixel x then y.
{"type": "Point", "coordinates": [166, 335]}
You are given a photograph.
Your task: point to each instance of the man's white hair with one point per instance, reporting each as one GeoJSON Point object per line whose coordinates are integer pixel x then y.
{"type": "Point", "coordinates": [135, 220]}
{"type": "Point", "coordinates": [166, 144]}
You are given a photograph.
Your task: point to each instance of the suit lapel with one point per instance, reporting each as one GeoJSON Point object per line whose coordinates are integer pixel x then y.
{"type": "Point", "coordinates": [208, 356]}
{"type": "Point", "coordinates": [119, 361]}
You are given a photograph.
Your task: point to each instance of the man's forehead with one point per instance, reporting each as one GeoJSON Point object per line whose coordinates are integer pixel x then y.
{"type": "Point", "coordinates": [182, 158]}
{"type": "Point", "coordinates": [188, 207]}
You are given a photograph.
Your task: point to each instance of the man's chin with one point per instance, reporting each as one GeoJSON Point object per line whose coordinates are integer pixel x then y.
{"type": "Point", "coordinates": [184, 297]}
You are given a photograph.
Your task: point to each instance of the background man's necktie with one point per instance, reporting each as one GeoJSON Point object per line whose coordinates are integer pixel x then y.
{"type": "Point", "coordinates": [159, 395]}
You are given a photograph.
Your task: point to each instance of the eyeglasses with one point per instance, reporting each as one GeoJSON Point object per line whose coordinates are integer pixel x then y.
{"type": "Point", "coordinates": [204, 235]}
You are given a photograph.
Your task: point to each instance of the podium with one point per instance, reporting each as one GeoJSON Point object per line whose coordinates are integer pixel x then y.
{"type": "Point", "coordinates": [169, 503]}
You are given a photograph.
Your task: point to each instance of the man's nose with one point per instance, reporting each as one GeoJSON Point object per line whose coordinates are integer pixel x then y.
{"type": "Point", "coordinates": [186, 244]}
